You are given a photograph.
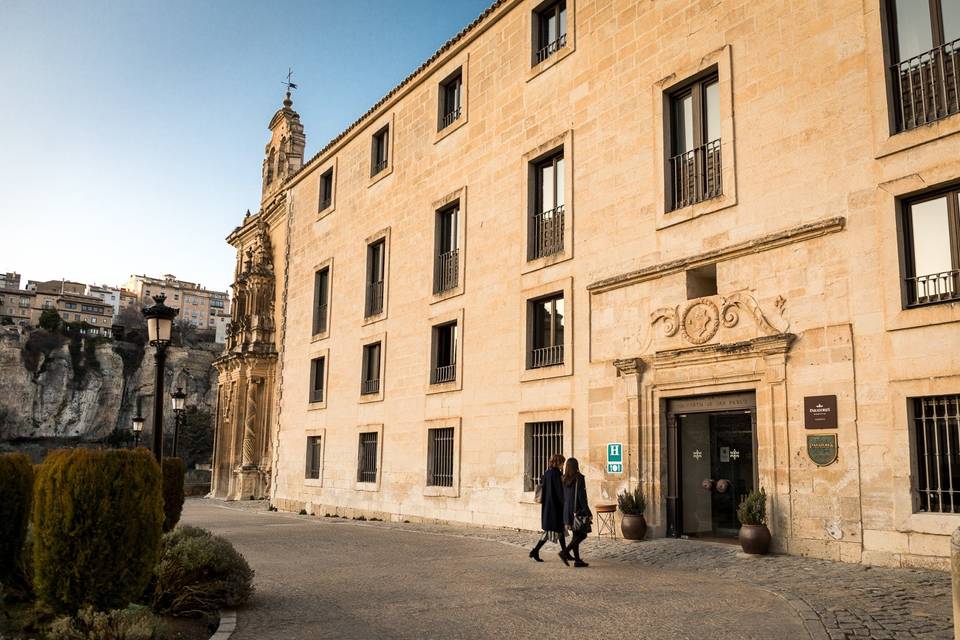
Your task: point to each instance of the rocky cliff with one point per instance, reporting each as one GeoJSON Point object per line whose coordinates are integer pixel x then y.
{"type": "Point", "coordinates": [54, 387]}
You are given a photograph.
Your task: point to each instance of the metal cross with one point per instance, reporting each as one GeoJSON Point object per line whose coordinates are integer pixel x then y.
{"type": "Point", "coordinates": [697, 454]}
{"type": "Point", "coordinates": [734, 454]}
{"type": "Point", "coordinates": [290, 84]}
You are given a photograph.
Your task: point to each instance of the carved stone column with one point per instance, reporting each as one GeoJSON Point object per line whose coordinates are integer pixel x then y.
{"type": "Point", "coordinates": [250, 425]}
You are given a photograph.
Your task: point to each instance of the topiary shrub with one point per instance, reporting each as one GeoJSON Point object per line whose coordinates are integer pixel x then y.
{"type": "Point", "coordinates": [199, 572]}
{"type": "Point", "coordinates": [97, 520]}
{"type": "Point", "coordinates": [119, 624]}
{"type": "Point", "coordinates": [173, 472]}
{"type": "Point", "coordinates": [16, 492]}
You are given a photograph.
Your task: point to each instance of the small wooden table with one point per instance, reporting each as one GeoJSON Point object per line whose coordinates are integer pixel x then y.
{"type": "Point", "coordinates": [607, 520]}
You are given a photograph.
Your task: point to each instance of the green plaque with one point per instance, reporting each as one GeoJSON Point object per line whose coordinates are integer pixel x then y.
{"type": "Point", "coordinates": [822, 449]}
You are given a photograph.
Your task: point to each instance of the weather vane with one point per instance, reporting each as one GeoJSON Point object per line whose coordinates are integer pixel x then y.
{"type": "Point", "coordinates": [290, 85]}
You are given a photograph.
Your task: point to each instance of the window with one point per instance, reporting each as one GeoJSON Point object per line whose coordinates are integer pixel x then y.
{"type": "Point", "coordinates": [936, 424]}
{"type": "Point", "coordinates": [317, 370]}
{"type": "Point", "coordinates": [551, 30]}
{"type": "Point", "coordinates": [370, 383]}
{"type": "Point", "coordinates": [546, 218]}
{"type": "Point", "coordinates": [379, 154]}
{"type": "Point", "coordinates": [930, 227]}
{"type": "Point", "coordinates": [925, 55]}
{"type": "Point", "coordinates": [314, 453]}
{"type": "Point", "coordinates": [541, 440]}
{"type": "Point", "coordinates": [695, 169]}
{"type": "Point", "coordinates": [444, 353]}
{"type": "Point", "coordinates": [376, 268]}
{"type": "Point", "coordinates": [367, 457]}
{"type": "Point", "coordinates": [440, 457]}
{"type": "Point", "coordinates": [546, 341]}
{"type": "Point", "coordinates": [450, 95]}
{"type": "Point", "coordinates": [326, 189]}
{"type": "Point", "coordinates": [447, 260]}
{"type": "Point", "coordinates": [702, 281]}
{"type": "Point", "coordinates": [321, 293]}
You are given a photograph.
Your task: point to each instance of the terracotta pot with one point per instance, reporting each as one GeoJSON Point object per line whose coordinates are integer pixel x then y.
{"type": "Point", "coordinates": [633, 527]}
{"type": "Point", "coordinates": [755, 538]}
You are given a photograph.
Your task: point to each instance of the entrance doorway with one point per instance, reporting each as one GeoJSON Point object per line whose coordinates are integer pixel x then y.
{"type": "Point", "coordinates": [711, 454]}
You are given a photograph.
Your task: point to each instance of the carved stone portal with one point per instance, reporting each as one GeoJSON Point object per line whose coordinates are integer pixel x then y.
{"type": "Point", "coordinates": [700, 319]}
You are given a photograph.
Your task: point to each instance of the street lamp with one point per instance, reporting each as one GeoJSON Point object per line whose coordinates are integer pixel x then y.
{"type": "Point", "coordinates": [159, 327]}
{"type": "Point", "coordinates": [138, 421]}
{"type": "Point", "coordinates": [179, 398]}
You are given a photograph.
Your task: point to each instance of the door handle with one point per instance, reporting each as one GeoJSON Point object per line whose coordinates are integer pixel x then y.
{"type": "Point", "coordinates": [707, 484]}
{"type": "Point", "coordinates": [723, 486]}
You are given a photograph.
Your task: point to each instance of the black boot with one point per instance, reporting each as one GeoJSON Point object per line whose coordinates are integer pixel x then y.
{"type": "Point", "coordinates": [535, 554]}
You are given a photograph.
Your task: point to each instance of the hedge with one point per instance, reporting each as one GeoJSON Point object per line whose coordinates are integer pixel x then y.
{"type": "Point", "coordinates": [97, 524]}
{"type": "Point", "coordinates": [16, 488]}
{"type": "Point", "coordinates": [173, 472]}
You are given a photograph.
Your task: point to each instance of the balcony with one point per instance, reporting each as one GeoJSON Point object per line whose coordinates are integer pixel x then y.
{"type": "Point", "coordinates": [370, 387]}
{"type": "Point", "coordinates": [546, 356]}
{"type": "Point", "coordinates": [449, 118]}
{"type": "Point", "coordinates": [374, 304]}
{"type": "Point", "coordinates": [696, 175]}
{"type": "Point", "coordinates": [551, 48]}
{"type": "Point", "coordinates": [378, 166]}
{"type": "Point", "coordinates": [447, 274]}
{"type": "Point", "coordinates": [445, 373]}
{"type": "Point", "coordinates": [925, 87]}
{"type": "Point", "coordinates": [546, 234]}
{"type": "Point", "coordinates": [933, 288]}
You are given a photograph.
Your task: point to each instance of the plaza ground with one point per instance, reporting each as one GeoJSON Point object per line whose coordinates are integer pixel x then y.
{"type": "Point", "coordinates": [320, 577]}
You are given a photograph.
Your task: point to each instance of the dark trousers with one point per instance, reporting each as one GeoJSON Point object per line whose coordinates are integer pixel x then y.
{"type": "Point", "coordinates": [574, 548]}
{"type": "Point", "coordinates": [562, 539]}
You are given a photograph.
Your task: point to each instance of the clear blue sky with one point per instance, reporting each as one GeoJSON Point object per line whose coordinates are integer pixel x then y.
{"type": "Point", "coordinates": [133, 132]}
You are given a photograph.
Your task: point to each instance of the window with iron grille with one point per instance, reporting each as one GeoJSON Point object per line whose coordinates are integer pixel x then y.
{"type": "Point", "coordinates": [924, 52]}
{"type": "Point", "coordinates": [545, 236]}
{"type": "Point", "coordinates": [541, 440]}
{"type": "Point", "coordinates": [936, 425]}
{"type": "Point", "coordinates": [447, 258]}
{"type": "Point", "coordinates": [551, 30]}
{"type": "Point", "coordinates": [376, 269]}
{"type": "Point", "coordinates": [313, 458]}
{"type": "Point", "coordinates": [317, 367]}
{"type": "Point", "coordinates": [440, 457]}
{"type": "Point", "coordinates": [370, 382]}
{"type": "Point", "coordinates": [326, 189]}
{"type": "Point", "coordinates": [444, 353]}
{"type": "Point", "coordinates": [367, 457]}
{"type": "Point", "coordinates": [930, 230]}
{"type": "Point", "coordinates": [321, 293]}
{"type": "Point", "coordinates": [694, 163]}
{"type": "Point", "coordinates": [450, 96]}
{"type": "Point", "coordinates": [378, 159]}
{"type": "Point", "coordinates": [546, 337]}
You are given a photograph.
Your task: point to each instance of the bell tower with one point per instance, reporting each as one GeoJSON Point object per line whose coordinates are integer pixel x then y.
{"type": "Point", "coordinates": [283, 155]}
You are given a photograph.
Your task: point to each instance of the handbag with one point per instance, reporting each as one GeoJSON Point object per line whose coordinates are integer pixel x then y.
{"type": "Point", "coordinates": [538, 494]}
{"type": "Point", "coordinates": [580, 523]}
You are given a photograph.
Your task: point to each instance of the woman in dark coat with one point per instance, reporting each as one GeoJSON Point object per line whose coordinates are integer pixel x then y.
{"type": "Point", "coordinates": [576, 511]}
{"type": "Point", "coordinates": [551, 510]}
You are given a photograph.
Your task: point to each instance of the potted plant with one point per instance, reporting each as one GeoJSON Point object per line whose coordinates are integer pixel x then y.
{"type": "Point", "coordinates": [752, 513]}
{"type": "Point", "coordinates": [632, 505]}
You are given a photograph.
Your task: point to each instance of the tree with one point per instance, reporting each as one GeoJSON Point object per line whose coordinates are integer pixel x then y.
{"type": "Point", "coordinates": [134, 325]}
{"type": "Point", "coordinates": [184, 332]}
{"type": "Point", "coordinates": [196, 437]}
{"type": "Point", "coordinates": [50, 320]}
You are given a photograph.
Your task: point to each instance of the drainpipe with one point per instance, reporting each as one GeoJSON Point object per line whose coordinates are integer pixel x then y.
{"type": "Point", "coordinates": [955, 579]}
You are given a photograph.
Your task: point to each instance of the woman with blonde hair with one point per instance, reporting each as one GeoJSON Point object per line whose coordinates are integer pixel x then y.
{"type": "Point", "coordinates": [551, 510]}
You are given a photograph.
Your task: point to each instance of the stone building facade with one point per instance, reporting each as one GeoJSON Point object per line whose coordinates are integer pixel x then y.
{"type": "Point", "coordinates": [722, 236]}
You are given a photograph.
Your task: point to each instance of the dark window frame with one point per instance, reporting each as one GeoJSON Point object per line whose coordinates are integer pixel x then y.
{"type": "Point", "coordinates": [541, 440]}
{"type": "Point", "coordinates": [446, 254]}
{"type": "Point", "coordinates": [318, 371]}
{"type": "Point", "coordinates": [444, 341]}
{"type": "Point", "coordinates": [370, 382]}
{"type": "Point", "coordinates": [380, 151]}
{"type": "Point", "coordinates": [376, 277]}
{"type": "Point", "coordinates": [450, 106]}
{"type": "Point", "coordinates": [543, 47]}
{"type": "Point", "coordinates": [326, 189]}
{"type": "Point", "coordinates": [933, 428]}
{"type": "Point", "coordinates": [546, 350]}
{"type": "Point", "coordinates": [441, 446]}
{"type": "Point", "coordinates": [545, 228]}
{"type": "Point", "coordinates": [321, 300]}
{"type": "Point", "coordinates": [910, 297]}
{"type": "Point", "coordinates": [368, 448]}
{"type": "Point", "coordinates": [706, 154]}
{"type": "Point", "coordinates": [314, 457]}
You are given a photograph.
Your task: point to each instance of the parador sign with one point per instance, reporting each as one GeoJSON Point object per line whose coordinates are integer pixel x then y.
{"type": "Point", "coordinates": [820, 412]}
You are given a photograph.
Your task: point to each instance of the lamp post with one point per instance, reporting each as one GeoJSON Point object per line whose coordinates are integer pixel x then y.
{"type": "Point", "coordinates": [159, 327]}
{"type": "Point", "coordinates": [137, 428]}
{"type": "Point", "coordinates": [179, 398]}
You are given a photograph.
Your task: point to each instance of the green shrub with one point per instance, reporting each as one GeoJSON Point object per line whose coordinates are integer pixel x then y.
{"type": "Point", "coordinates": [199, 572]}
{"type": "Point", "coordinates": [119, 624]}
{"type": "Point", "coordinates": [97, 517]}
{"type": "Point", "coordinates": [172, 492]}
{"type": "Point", "coordinates": [753, 508]}
{"type": "Point", "coordinates": [16, 492]}
{"type": "Point", "coordinates": [632, 503]}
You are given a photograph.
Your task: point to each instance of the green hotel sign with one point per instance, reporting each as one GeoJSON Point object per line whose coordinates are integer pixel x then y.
{"type": "Point", "coordinates": [822, 449]}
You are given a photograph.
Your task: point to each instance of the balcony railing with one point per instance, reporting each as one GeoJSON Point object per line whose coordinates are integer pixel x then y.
{"type": "Point", "coordinates": [935, 287]}
{"type": "Point", "coordinates": [378, 166]}
{"type": "Point", "coordinates": [321, 324]}
{"type": "Point", "coordinates": [325, 202]}
{"type": "Point", "coordinates": [448, 271]}
{"type": "Point", "coordinates": [446, 373]}
{"type": "Point", "coordinates": [369, 387]}
{"type": "Point", "coordinates": [374, 304]}
{"type": "Point", "coordinates": [926, 86]}
{"type": "Point", "coordinates": [546, 234]}
{"type": "Point", "coordinates": [449, 118]}
{"type": "Point", "coordinates": [546, 356]}
{"type": "Point", "coordinates": [696, 175]}
{"type": "Point", "coordinates": [551, 48]}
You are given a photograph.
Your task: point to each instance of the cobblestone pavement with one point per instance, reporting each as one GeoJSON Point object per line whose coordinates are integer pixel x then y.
{"type": "Point", "coordinates": [332, 577]}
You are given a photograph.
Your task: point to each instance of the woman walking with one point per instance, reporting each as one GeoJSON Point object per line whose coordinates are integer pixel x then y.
{"type": "Point", "coordinates": [576, 511]}
{"type": "Point", "coordinates": [551, 510]}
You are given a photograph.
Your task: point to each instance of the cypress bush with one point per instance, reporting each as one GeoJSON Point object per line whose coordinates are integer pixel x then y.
{"type": "Point", "coordinates": [16, 489]}
{"type": "Point", "coordinates": [173, 473]}
{"type": "Point", "coordinates": [97, 524]}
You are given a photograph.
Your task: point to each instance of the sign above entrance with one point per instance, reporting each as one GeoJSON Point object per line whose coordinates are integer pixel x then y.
{"type": "Point", "coordinates": [615, 457]}
{"type": "Point", "coordinates": [822, 449]}
{"type": "Point", "coordinates": [820, 412]}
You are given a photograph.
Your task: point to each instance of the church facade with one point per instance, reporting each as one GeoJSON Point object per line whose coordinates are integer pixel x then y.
{"type": "Point", "coordinates": [702, 249]}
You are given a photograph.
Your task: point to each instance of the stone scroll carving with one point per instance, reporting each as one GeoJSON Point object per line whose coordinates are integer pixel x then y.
{"type": "Point", "coordinates": [699, 320]}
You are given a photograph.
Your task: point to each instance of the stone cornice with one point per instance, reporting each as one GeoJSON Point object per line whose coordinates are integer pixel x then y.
{"type": "Point", "coordinates": [756, 245]}
{"type": "Point", "coordinates": [763, 346]}
{"type": "Point", "coordinates": [629, 366]}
